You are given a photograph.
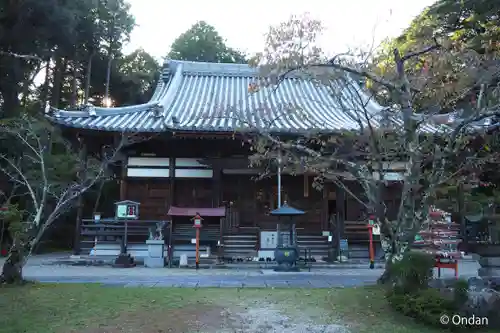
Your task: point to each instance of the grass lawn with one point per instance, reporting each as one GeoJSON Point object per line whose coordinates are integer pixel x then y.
{"type": "Point", "coordinates": [76, 308]}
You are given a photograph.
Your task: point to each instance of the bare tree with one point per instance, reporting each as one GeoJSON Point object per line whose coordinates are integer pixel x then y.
{"type": "Point", "coordinates": [51, 178]}
{"type": "Point", "coordinates": [432, 148]}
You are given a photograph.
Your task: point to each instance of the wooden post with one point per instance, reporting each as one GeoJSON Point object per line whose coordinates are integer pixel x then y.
{"type": "Point", "coordinates": [123, 181]}
{"type": "Point", "coordinates": [197, 248]}
{"type": "Point", "coordinates": [216, 186]}
{"type": "Point", "coordinates": [372, 252]}
{"type": "Point", "coordinates": [171, 200]}
{"type": "Point", "coordinates": [197, 224]}
{"type": "Point", "coordinates": [79, 212]}
{"type": "Point", "coordinates": [340, 218]}
{"type": "Point", "coordinates": [324, 208]}
{"type": "Point", "coordinates": [461, 217]}
{"type": "Point", "coordinates": [216, 195]}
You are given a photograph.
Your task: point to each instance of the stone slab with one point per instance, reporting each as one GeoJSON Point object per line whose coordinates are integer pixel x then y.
{"type": "Point", "coordinates": [489, 261]}
{"type": "Point", "coordinates": [316, 283]}
{"type": "Point", "coordinates": [208, 284]}
{"type": "Point", "coordinates": [300, 284]}
{"type": "Point", "coordinates": [154, 262]}
{"type": "Point", "coordinates": [164, 284]}
{"type": "Point", "coordinates": [485, 272]}
{"type": "Point", "coordinates": [187, 284]}
{"type": "Point", "coordinates": [277, 284]}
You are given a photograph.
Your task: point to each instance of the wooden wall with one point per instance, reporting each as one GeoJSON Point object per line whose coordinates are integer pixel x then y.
{"type": "Point", "coordinates": [255, 199]}
{"type": "Point", "coordinates": [153, 194]}
{"type": "Point", "coordinates": [193, 192]}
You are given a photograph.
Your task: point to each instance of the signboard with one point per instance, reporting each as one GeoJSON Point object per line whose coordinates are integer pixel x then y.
{"type": "Point", "coordinates": [344, 245]}
{"type": "Point", "coordinates": [376, 229]}
{"type": "Point", "coordinates": [127, 210]}
{"type": "Point", "coordinates": [268, 239]}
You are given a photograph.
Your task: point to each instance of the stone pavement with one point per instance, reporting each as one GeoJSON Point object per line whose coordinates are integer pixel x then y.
{"type": "Point", "coordinates": [163, 277]}
{"type": "Point", "coordinates": [229, 281]}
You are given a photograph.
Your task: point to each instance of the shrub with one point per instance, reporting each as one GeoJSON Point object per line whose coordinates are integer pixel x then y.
{"type": "Point", "coordinates": [412, 272]}
{"type": "Point", "coordinates": [411, 295]}
{"type": "Point", "coordinates": [425, 305]}
{"type": "Point", "coordinates": [460, 292]}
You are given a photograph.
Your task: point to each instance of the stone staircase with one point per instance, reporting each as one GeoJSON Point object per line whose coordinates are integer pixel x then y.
{"type": "Point", "coordinates": [240, 245]}
{"type": "Point", "coordinates": [361, 251]}
{"type": "Point", "coordinates": [182, 235]}
{"type": "Point", "coordinates": [317, 244]}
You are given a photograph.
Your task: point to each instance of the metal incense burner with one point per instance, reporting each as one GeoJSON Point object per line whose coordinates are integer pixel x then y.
{"type": "Point", "coordinates": [287, 252]}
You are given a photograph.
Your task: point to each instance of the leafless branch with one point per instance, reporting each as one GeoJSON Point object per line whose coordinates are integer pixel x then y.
{"type": "Point", "coordinates": [20, 56]}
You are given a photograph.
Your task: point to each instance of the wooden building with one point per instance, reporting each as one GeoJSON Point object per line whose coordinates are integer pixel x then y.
{"type": "Point", "coordinates": [193, 162]}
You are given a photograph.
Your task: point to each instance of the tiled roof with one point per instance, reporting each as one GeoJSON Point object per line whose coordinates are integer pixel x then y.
{"type": "Point", "coordinates": [195, 96]}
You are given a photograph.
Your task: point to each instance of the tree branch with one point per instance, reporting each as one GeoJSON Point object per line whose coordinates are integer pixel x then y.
{"type": "Point", "coordinates": [20, 56]}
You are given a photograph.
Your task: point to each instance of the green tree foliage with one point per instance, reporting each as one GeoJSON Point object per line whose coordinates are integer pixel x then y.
{"type": "Point", "coordinates": [60, 39]}
{"type": "Point", "coordinates": [132, 81]}
{"type": "Point", "coordinates": [452, 76]}
{"type": "Point", "coordinates": [463, 73]}
{"type": "Point", "coordinates": [136, 77]}
{"type": "Point", "coordinates": [203, 43]}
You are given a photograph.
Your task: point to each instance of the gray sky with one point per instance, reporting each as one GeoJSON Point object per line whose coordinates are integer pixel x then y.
{"type": "Point", "coordinates": [349, 23]}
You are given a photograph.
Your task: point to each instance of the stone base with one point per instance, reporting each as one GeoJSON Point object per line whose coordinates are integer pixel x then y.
{"type": "Point", "coordinates": [183, 260]}
{"type": "Point", "coordinates": [286, 268]}
{"type": "Point", "coordinates": [484, 304]}
{"type": "Point", "coordinates": [490, 282]}
{"type": "Point", "coordinates": [487, 272]}
{"type": "Point", "coordinates": [489, 262]}
{"type": "Point", "coordinates": [154, 262]}
{"type": "Point", "coordinates": [124, 261]}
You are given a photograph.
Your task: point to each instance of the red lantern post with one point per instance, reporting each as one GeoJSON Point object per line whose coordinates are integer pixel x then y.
{"type": "Point", "coordinates": [371, 223]}
{"type": "Point", "coordinates": [197, 224]}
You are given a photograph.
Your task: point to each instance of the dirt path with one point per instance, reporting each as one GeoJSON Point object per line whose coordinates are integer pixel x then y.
{"type": "Point", "coordinates": [266, 318]}
{"type": "Point", "coordinates": [242, 316]}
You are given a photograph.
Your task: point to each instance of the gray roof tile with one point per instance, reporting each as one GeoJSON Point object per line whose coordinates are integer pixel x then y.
{"type": "Point", "coordinates": [215, 97]}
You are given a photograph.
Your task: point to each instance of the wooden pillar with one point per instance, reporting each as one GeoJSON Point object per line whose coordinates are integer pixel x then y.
{"type": "Point", "coordinates": [216, 185]}
{"type": "Point", "coordinates": [254, 205]}
{"type": "Point", "coordinates": [340, 218]}
{"type": "Point", "coordinates": [123, 180]}
{"type": "Point", "coordinates": [82, 154]}
{"type": "Point", "coordinates": [171, 199]}
{"type": "Point", "coordinates": [461, 217]}
{"type": "Point", "coordinates": [324, 208]}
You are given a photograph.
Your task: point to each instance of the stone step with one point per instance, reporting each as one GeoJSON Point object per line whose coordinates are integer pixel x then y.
{"type": "Point", "coordinates": [239, 246]}
{"type": "Point", "coordinates": [240, 236]}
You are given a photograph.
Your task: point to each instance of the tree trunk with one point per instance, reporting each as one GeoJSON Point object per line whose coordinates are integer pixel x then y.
{"type": "Point", "coordinates": [12, 270]}
{"type": "Point", "coordinates": [108, 77]}
{"type": "Point", "coordinates": [88, 77]}
{"type": "Point", "coordinates": [74, 84]}
{"type": "Point", "coordinates": [400, 241]}
{"type": "Point", "coordinates": [56, 87]}
{"type": "Point", "coordinates": [11, 102]}
{"type": "Point", "coordinates": [45, 91]}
